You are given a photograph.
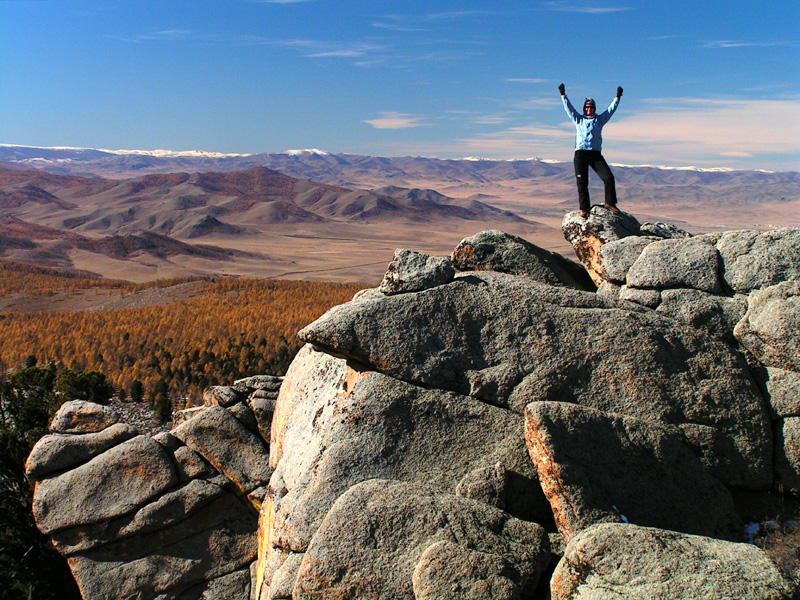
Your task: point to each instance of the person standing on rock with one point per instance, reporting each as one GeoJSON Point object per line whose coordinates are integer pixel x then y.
{"type": "Point", "coordinates": [588, 142]}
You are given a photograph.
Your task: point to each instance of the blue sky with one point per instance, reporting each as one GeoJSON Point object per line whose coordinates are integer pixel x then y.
{"type": "Point", "coordinates": [706, 83]}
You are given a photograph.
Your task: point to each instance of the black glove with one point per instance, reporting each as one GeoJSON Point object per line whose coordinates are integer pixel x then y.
{"type": "Point", "coordinates": [619, 92]}
{"type": "Point", "coordinates": [561, 89]}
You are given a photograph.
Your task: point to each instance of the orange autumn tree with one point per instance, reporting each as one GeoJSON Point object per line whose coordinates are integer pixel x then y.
{"type": "Point", "coordinates": [234, 328]}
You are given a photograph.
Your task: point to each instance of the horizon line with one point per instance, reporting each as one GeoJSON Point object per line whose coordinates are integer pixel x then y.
{"type": "Point", "coordinates": [213, 154]}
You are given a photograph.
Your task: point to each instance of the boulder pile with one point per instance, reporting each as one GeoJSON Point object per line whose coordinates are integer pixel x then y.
{"type": "Point", "coordinates": [169, 516]}
{"type": "Point", "coordinates": [740, 287]}
{"type": "Point", "coordinates": [501, 423]}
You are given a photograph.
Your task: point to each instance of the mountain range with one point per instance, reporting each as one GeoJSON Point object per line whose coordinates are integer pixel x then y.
{"type": "Point", "coordinates": [47, 218]}
{"type": "Point", "coordinates": [352, 170]}
{"type": "Point", "coordinates": [313, 214]}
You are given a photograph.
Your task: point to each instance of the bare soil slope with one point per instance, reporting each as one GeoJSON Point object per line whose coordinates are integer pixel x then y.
{"type": "Point", "coordinates": [321, 216]}
{"type": "Point", "coordinates": [258, 223]}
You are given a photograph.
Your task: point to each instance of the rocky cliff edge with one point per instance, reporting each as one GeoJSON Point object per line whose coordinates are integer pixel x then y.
{"type": "Point", "coordinates": [499, 423]}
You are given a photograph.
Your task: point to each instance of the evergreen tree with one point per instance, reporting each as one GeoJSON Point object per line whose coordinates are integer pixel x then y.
{"type": "Point", "coordinates": [137, 391]}
{"type": "Point", "coordinates": [84, 385]}
{"type": "Point", "coordinates": [29, 565]}
{"type": "Point", "coordinates": [162, 405]}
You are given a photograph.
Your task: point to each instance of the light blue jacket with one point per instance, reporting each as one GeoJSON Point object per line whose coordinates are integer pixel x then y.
{"type": "Point", "coordinates": [589, 136]}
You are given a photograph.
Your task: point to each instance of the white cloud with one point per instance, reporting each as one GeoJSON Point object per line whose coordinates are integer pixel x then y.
{"type": "Point", "coordinates": [489, 119]}
{"type": "Point", "coordinates": [712, 132]}
{"type": "Point", "coordinates": [187, 35]}
{"type": "Point", "coordinates": [425, 22]}
{"type": "Point", "coordinates": [351, 52]}
{"type": "Point", "coordinates": [396, 27]}
{"type": "Point", "coordinates": [324, 49]}
{"type": "Point", "coordinates": [715, 126]}
{"type": "Point", "coordinates": [542, 103]}
{"type": "Point", "coordinates": [168, 35]}
{"type": "Point", "coordinates": [171, 34]}
{"type": "Point", "coordinates": [515, 142]}
{"type": "Point", "coordinates": [393, 120]}
{"type": "Point", "coordinates": [397, 23]}
{"type": "Point", "coordinates": [526, 80]}
{"type": "Point", "coordinates": [309, 48]}
{"type": "Point", "coordinates": [743, 44]}
{"type": "Point", "coordinates": [454, 15]}
{"type": "Point", "coordinates": [583, 7]}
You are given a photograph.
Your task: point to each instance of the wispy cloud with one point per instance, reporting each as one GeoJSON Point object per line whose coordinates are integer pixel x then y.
{"type": "Point", "coordinates": [490, 119]}
{"type": "Point", "coordinates": [460, 115]}
{"type": "Point", "coordinates": [316, 49]}
{"type": "Point", "coordinates": [363, 53]}
{"type": "Point", "coordinates": [386, 52]}
{"type": "Point", "coordinates": [526, 80]}
{"type": "Point", "coordinates": [425, 22]}
{"type": "Point", "coordinates": [476, 118]}
{"type": "Point", "coordinates": [168, 35]}
{"type": "Point", "coordinates": [584, 7]}
{"type": "Point", "coordinates": [307, 47]}
{"type": "Point", "coordinates": [699, 132]}
{"type": "Point", "coordinates": [455, 15]}
{"type": "Point", "coordinates": [394, 120]}
{"type": "Point", "coordinates": [395, 23]}
{"type": "Point", "coordinates": [543, 103]}
{"type": "Point", "coordinates": [714, 126]}
{"type": "Point", "coordinates": [735, 154]}
{"type": "Point", "coordinates": [746, 44]}
{"type": "Point", "coordinates": [773, 87]}
{"type": "Point", "coordinates": [188, 35]}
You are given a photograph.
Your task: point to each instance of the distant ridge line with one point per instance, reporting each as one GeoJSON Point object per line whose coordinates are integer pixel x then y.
{"type": "Point", "coordinates": [160, 153]}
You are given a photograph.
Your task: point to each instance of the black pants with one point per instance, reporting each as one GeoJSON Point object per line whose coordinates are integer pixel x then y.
{"type": "Point", "coordinates": [592, 158]}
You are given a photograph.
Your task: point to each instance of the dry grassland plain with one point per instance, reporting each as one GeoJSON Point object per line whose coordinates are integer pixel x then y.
{"type": "Point", "coordinates": [354, 252]}
{"type": "Point", "coordinates": [358, 251]}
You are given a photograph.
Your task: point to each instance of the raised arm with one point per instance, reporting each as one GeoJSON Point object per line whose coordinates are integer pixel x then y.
{"type": "Point", "coordinates": [612, 108]}
{"type": "Point", "coordinates": [573, 114]}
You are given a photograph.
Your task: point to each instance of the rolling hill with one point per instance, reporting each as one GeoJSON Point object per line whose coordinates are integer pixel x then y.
{"type": "Point", "coordinates": [312, 214]}
{"type": "Point", "coordinates": [351, 170]}
{"type": "Point", "coordinates": [50, 219]}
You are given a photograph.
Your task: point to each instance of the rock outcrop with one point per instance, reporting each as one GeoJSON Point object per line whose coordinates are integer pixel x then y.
{"type": "Point", "coordinates": [770, 329]}
{"type": "Point", "coordinates": [77, 416]}
{"type": "Point", "coordinates": [640, 563]}
{"type": "Point", "coordinates": [588, 236]}
{"type": "Point", "coordinates": [338, 425]}
{"type": "Point", "coordinates": [739, 287]}
{"type": "Point", "coordinates": [169, 516]}
{"type": "Point", "coordinates": [386, 539]}
{"type": "Point", "coordinates": [62, 451]}
{"type": "Point", "coordinates": [497, 251]}
{"type": "Point", "coordinates": [412, 271]}
{"type": "Point", "coordinates": [110, 485]}
{"type": "Point", "coordinates": [508, 341]}
{"type": "Point", "coordinates": [472, 424]}
{"type": "Point", "coordinates": [595, 468]}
